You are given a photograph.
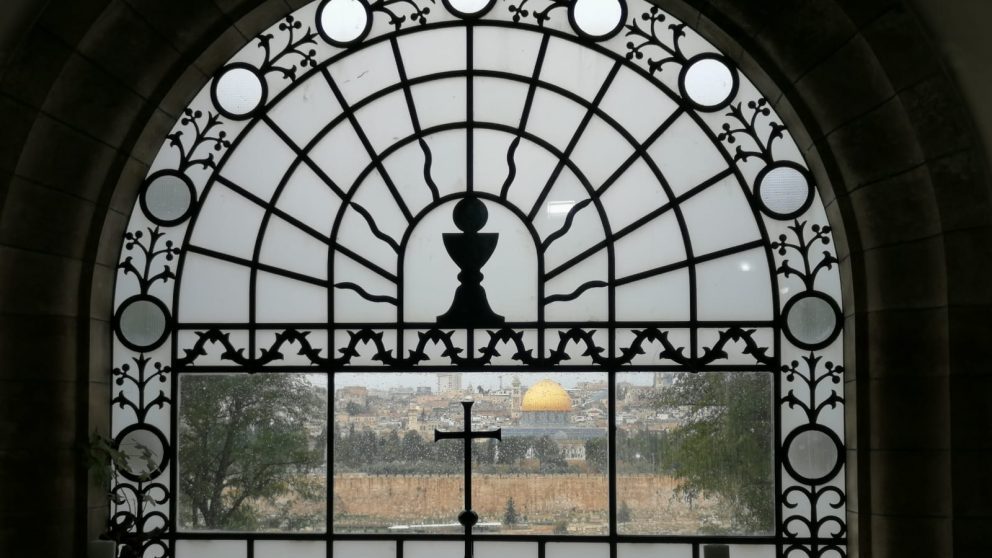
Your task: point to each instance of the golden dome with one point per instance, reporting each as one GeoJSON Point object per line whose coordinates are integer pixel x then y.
{"type": "Point", "coordinates": [546, 396]}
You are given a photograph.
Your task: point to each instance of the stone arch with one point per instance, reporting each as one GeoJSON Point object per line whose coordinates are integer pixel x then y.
{"type": "Point", "coordinates": [87, 95]}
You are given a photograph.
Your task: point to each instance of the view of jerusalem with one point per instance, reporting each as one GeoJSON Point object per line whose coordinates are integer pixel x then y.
{"type": "Point", "coordinates": [693, 453]}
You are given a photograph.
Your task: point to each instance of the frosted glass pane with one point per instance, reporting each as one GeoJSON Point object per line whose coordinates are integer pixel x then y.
{"type": "Point", "coordinates": [506, 50]}
{"type": "Point", "coordinates": [385, 120]}
{"type": "Point", "coordinates": [168, 197]}
{"type": "Point", "coordinates": [371, 549]}
{"type": "Point", "coordinates": [719, 217]}
{"type": "Point", "coordinates": [434, 549]}
{"type": "Point", "coordinates": [341, 156]}
{"type": "Point", "coordinates": [601, 151]}
{"type": "Point", "coordinates": [356, 234]}
{"type": "Point", "coordinates": [283, 300]}
{"type": "Point", "coordinates": [592, 304]}
{"type": "Point", "coordinates": [709, 82]}
{"type": "Point", "coordinates": [142, 322]}
{"type": "Point", "coordinates": [491, 168]}
{"type": "Point", "coordinates": [287, 247]}
{"type": "Point", "coordinates": [813, 454]}
{"type": "Point", "coordinates": [655, 244]}
{"type": "Point", "coordinates": [375, 197]}
{"type": "Point", "coordinates": [735, 287]}
{"type": "Point", "coordinates": [290, 549]}
{"type": "Point", "coordinates": [406, 165]}
{"type": "Point", "coordinates": [228, 223]}
{"type": "Point", "coordinates": [213, 291]}
{"type": "Point", "coordinates": [509, 276]}
{"type": "Point", "coordinates": [239, 90]}
{"type": "Point", "coordinates": [636, 104]}
{"type": "Point", "coordinates": [441, 50]}
{"type": "Point", "coordinates": [448, 170]}
{"type": "Point", "coordinates": [748, 551]}
{"type": "Point", "coordinates": [498, 100]}
{"type": "Point", "coordinates": [440, 101]}
{"type": "Point", "coordinates": [811, 319]}
{"type": "Point", "coordinates": [534, 166]}
{"type": "Point", "coordinates": [364, 72]}
{"type": "Point", "coordinates": [564, 193]}
{"type": "Point", "coordinates": [686, 156]}
{"type": "Point", "coordinates": [598, 17]}
{"type": "Point", "coordinates": [505, 550]}
{"type": "Point", "coordinates": [694, 454]}
{"type": "Point", "coordinates": [311, 200]}
{"type": "Point", "coordinates": [575, 68]}
{"type": "Point", "coordinates": [259, 162]}
{"type": "Point", "coordinates": [586, 231]}
{"type": "Point", "coordinates": [784, 189]}
{"type": "Point", "coordinates": [635, 194]}
{"type": "Point", "coordinates": [554, 118]}
{"type": "Point", "coordinates": [577, 550]}
{"type": "Point", "coordinates": [307, 108]}
{"type": "Point", "coordinates": [349, 306]}
{"type": "Point", "coordinates": [661, 298]}
{"type": "Point", "coordinates": [213, 549]}
{"type": "Point", "coordinates": [654, 551]}
{"type": "Point", "coordinates": [343, 21]}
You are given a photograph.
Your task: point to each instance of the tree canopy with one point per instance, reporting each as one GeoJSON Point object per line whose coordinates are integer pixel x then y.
{"type": "Point", "coordinates": [248, 448]}
{"type": "Point", "coordinates": [723, 447]}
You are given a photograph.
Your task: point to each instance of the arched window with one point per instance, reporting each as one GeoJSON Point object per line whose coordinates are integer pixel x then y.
{"type": "Point", "coordinates": [578, 214]}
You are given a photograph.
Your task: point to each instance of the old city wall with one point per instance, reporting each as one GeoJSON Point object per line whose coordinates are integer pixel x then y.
{"type": "Point", "coordinates": [409, 496]}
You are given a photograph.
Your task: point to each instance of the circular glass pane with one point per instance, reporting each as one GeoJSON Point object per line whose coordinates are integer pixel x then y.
{"type": "Point", "coordinates": [144, 450]}
{"type": "Point", "coordinates": [343, 21]}
{"type": "Point", "coordinates": [811, 320]}
{"type": "Point", "coordinates": [597, 18]}
{"type": "Point", "coordinates": [168, 197]}
{"type": "Point", "coordinates": [469, 7]}
{"type": "Point", "coordinates": [813, 454]}
{"type": "Point", "coordinates": [142, 323]}
{"type": "Point", "coordinates": [709, 82]}
{"type": "Point", "coordinates": [784, 190]}
{"type": "Point", "coordinates": [239, 91]}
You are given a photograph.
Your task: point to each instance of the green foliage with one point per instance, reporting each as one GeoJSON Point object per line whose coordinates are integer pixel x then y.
{"type": "Point", "coordinates": [248, 443]}
{"type": "Point", "coordinates": [724, 447]}
{"type": "Point", "coordinates": [597, 454]}
{"type": "Point", "coordinates": [551, 456]}
{"type": "Point", "coordinates": [410, 454]}
{"type": "Point", "coordinates": [353, 408]}
{"type": "Point", "coordinates": [510, 516]}
{"type": "Point", "coordinates": [561, 527]}
{"type": "Point", "coordinates": [623, 514]}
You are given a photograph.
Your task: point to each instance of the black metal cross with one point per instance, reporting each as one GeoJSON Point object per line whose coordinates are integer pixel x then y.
{"type": "Point", "coordinates": [468, 518]}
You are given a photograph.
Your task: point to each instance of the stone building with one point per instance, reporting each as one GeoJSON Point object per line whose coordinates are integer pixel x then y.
{"type": "Point", "coordinates": [546, 403]}
{"type": "Point", "coordinates": [891, 96]}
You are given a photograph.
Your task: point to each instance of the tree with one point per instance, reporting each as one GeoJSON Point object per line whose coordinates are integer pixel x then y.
{"type": "Point", "coordinates": [244, 442]}
{"type": "Point", "coordinates": [551, 456]}
{"type": "Point", "coordinates": [597, 454]}
{"type": "Point", "coordinates": [510, 516]}
{"type": "Point", "coordinates": [353, 408]}
{"type": "Point", "coordinates": [623, 514]}
{"type": "Point", "coordinates": [724, 446]}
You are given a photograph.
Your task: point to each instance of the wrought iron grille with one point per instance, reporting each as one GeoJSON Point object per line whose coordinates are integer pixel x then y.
{"type": "Point", "coordinates": [482, 186]}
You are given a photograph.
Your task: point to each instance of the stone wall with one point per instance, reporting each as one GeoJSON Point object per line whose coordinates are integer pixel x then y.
{"type": "Point", "coordinates": [398, 498]}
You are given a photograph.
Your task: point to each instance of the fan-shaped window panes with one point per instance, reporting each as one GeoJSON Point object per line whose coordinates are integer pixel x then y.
{"type": "Point", "coordinates": [480, 277]}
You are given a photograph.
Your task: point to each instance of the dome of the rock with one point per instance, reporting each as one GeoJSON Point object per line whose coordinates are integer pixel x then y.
{"type": "Point", "coordinates": [546, 396]}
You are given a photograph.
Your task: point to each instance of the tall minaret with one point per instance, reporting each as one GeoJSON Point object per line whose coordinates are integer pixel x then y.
{"type": "Point", "coordinates": [516, 395]}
